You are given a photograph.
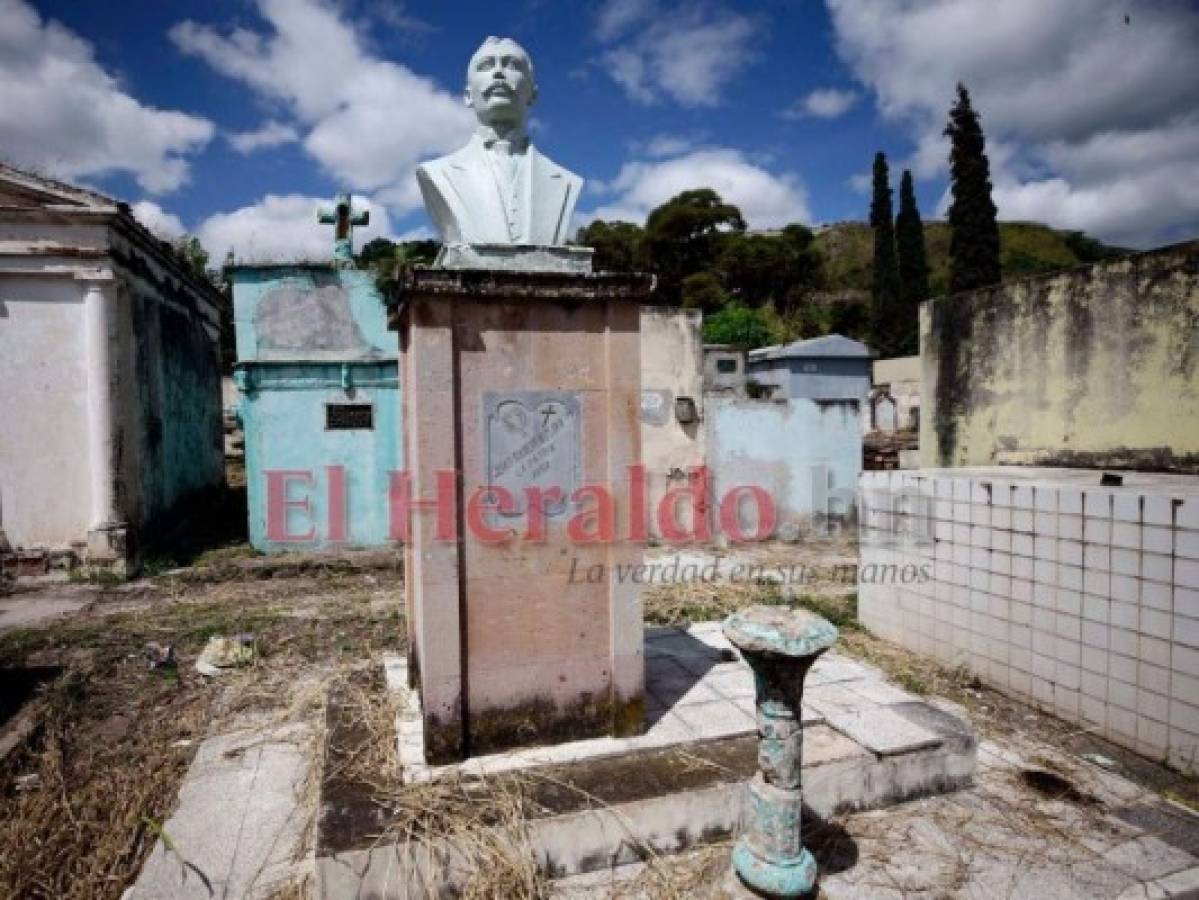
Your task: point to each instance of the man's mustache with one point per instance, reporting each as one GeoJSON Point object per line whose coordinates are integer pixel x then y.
{"type": "Point", "coordinates": [496, 88]}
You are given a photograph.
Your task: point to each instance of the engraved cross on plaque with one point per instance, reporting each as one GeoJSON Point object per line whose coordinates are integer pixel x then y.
{"type": "Point", "coordinates": [343, 217]}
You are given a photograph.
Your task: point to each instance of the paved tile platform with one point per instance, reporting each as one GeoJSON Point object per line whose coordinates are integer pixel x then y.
{"type": "Point", "coordinates": [867, 744]}
{"type": "Point", "coordinates": [698, 689]}
{"type": "Point", "coordinates": [999, 838]}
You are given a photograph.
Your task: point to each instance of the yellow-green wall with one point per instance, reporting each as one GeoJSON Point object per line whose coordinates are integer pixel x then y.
{"type": "Point", "coordinates": [1096, 366]}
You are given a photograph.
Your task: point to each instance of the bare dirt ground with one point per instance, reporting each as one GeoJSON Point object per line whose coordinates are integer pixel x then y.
{"type": "Point", "coordinates": [84, 793]}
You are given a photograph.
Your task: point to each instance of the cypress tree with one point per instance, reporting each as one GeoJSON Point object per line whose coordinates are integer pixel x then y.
{"type": "Point", "coordinates": [913, 267]}
{"type": "Point", "coordinates": [884, 289]}
{"type": "Point", "coordinates": [974, 233]}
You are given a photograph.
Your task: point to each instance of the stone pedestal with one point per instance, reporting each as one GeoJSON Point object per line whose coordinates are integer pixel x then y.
{"type": "Point", "coordinates": [520, 631]}
{"type": "Point", "coordinates": [780, 645]}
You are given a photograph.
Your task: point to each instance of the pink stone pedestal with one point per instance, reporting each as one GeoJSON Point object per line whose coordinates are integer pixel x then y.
{"type": "Point", "coordinates": [518, 379]}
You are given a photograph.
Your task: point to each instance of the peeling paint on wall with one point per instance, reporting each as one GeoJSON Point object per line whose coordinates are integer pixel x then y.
{"type": "Point", "coordinates": [1093, 367]}
{"type": "Point", "coordinates": [311, 338]}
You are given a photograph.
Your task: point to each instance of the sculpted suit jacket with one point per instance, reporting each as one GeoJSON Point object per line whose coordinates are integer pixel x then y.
{"type": "Point", "coordinates": [464, 199]}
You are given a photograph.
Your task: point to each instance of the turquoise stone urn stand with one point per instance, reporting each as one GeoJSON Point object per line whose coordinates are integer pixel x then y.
{"type": "Point", "coordinates": [780, 646]}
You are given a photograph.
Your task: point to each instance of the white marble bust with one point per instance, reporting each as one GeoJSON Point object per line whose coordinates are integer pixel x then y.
{"type": "Point", "coordinates": [499, 189]}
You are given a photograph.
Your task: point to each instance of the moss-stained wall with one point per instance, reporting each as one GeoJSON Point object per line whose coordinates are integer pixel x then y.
{"type": "Point", "coordinates": [1092, 367]}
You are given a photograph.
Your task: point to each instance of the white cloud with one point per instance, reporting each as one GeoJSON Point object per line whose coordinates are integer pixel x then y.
{"type": "Point", "coordinates": [420, 233]}
{"type": "Point", "coordinates": [282, 229]}
{"type": "Point", "coordinates": [162, 224]}
{"type": "Point", "coordinates": [61, 112]}
{"type": "Point", "coordinates": [1081, 108]}
{"type": "Point", "coordinates": [688, 53]}
{"type": "Point", "coordinates": [271, 134]}
{"type": "Point", "coordinates": [861, 183]}
{"type": "Point", "coordinates": [662, 145]}
{"type": "Point", "coordinates": [393, 15]}
{"type": "Point", "coordinates": [1122, 185]}
{"type": "Point", "coordinates": [822, 103]}
{"type": "Point", "coordinates": [766, 200]}
{"type": "Point", "coordinates": [615, 17]}
{"type": "Point", "coordinates": [368, 120]}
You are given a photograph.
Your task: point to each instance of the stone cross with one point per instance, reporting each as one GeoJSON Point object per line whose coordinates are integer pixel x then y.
{"type": "Point", "coordinates": [780, 646]}
{"type": "Point", "coordinates": [343, 217]}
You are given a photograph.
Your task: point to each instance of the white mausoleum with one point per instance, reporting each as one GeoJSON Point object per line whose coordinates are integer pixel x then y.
{"type": "Point", "coordinates": [110, 412]}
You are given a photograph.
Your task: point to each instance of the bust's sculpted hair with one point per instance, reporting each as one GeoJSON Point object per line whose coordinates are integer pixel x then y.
{"type": "Point", "coordinates": [491, 40]}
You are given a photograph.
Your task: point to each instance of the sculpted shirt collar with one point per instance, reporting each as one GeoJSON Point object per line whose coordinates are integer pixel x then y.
{"type": "Point", "coordinates": [486, 136]}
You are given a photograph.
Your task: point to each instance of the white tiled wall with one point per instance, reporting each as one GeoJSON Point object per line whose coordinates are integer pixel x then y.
{"type": "Point", "coordinates": [1083, 600]}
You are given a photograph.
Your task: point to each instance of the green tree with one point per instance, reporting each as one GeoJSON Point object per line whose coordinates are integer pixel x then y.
{"type": "Point", "coordinates": [1088, 250]}
{"type": "Point", "coordinates": [194, 256]}
{"type": "Point", "coordinates": [849, 319]}
{"type": "Point", "coordinates": [685, 234]}
{"type": "Point", "coordinates": [619, 246]}
{"type": "Point", "coordinates": [374, 250]}
{"type": "Point", "coordinates": [974, 231]}
{"type": "Point", "coordinates": [884, 285]}
{"type": "Point", "coordinates": [771, 269]}
{"type": "Point", "coordinates": [703, 290]}
{"type": "Point", "coordinates": [913, 268]}
{"type": "Point", "coordinates": [386, 255]}
{"type": "Point", "coordinates": [418, 253]}
{"type": "Point", "coordinates": [741, 325]}
{"type": "Point", "coordinates": [390, 259]}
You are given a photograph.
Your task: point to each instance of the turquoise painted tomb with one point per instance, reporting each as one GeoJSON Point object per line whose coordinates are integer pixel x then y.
{"type": "Point", "coordinates": [318, 374]}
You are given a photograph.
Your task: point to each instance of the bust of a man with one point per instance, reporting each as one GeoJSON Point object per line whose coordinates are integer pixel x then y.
{"type": "Point", "coordinates": [499, 189]}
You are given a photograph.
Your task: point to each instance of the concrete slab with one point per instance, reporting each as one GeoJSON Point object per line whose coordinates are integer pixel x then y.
{"type": "Point", "coordinates": [239, 824]}
{"type": "Point", "coordinates": [883, 731]}
{"type": "Point", "coordinates": [28, 610]}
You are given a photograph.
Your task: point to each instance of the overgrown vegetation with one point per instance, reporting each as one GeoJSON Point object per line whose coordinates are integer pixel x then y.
{"type": "Point", "coordinates": [1025, 248]}
{"type": "Point", "coordinates": [83, 801]}
{"type": "Point", "coordinates": [779, 286]}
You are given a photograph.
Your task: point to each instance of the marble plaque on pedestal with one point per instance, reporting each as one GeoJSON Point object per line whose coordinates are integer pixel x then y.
{"type": "Point", "coordinates": [533, 441]}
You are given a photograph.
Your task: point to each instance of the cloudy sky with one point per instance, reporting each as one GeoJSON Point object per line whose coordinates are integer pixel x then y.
{"type": "Point", "coordinates": [231, 119]}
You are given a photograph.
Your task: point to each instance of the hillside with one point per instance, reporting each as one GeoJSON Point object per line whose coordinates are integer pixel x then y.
{"type": "Point", "coordinates": [1025, 247]}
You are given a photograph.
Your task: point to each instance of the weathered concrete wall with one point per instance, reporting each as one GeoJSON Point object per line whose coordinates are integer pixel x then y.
{"type": "Point", "coordinates": [310, 337]}
{"type": "Point", "coordinates": [1094, 367]}
{"type": "Point", "coordinates": [178, 414]}
{"type": "Point", "coordinates": [672, 357]}
{"type": "Point", "coordinates": [793, 449]}
{"type": "Point", "coordinates": [725, 368]}
{"type": "Point", "coordinates": [901, 377]}
{"type": "Point", "coordinates": [1081, 599]}
{"type": "Point", "coordinates": [303, 313]}
{"type": "Point", "coordinates": [168, 441]}
{"type": "Point", "coordinates": [44, 474]}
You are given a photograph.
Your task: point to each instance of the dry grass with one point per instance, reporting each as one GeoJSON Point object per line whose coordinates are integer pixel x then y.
{"type": "Point", "coordinates": [701, 601]}
{"type": "Point", "coordinates": [472, 831]}
{"type": "Point", "coordinates": [115, 738]}
{"type": "Point", "coordinates": [108, 760]}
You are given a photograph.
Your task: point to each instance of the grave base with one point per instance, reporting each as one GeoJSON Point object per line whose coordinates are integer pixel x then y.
{"type": "Point", "coordinates": [520, 388]}
{"type": "Point", "coordinates": [604, 802]}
